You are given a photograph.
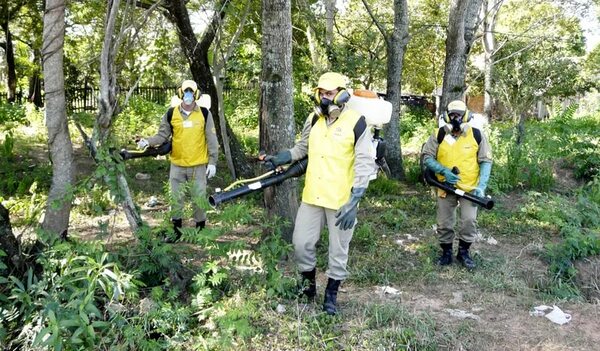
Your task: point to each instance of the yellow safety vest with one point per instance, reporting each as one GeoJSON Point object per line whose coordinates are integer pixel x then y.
{"type": "Point", "coordinates": [330, 171]}
{"type": "Point", "coordinates": [462, 153]}
{"type": "Point", "coordinates": [189, 140]}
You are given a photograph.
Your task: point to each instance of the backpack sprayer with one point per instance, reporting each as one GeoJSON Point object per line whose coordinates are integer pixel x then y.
{"type": "Point", "coordinates": [376, 111]}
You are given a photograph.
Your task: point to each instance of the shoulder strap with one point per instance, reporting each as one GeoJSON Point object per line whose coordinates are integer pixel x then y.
{"type": "Point", "coordinates": [170, 118]}
{"type": "Point", "coordinates": [314, 119]}
{"type": "Point", "coordinates": [359, 128]}
{"type": "Point", "coordinates": [477, 135]}
{"type": "Point", "coordinates": [204, 113]}
{"type": "Point", "coordinates": [441, 135]}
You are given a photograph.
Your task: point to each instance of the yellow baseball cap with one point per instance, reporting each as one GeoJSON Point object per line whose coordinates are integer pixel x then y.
{"type": "Point", "coordinates": [189, 84]}
{"type": "Point", "coordinates": [331, 81]}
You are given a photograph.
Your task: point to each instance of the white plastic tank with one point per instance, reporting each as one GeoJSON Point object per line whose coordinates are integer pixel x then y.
{"type": "Point", "coordinates": [377, 111]}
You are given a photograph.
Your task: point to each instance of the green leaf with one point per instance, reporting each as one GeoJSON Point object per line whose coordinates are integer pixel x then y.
{"type": "Point", "coordinates": [100, 324]}
{"type": "Point", "coordinates": [66, 323]}
{"type": "Point", "coordinates": [40, 337]}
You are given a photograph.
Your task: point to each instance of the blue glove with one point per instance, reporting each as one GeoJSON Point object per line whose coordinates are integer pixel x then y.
{"type": "Point", "coordinates": [282, 158]}
{"type": "Point", "coordinates": [437, 167]}
{"type": "Point", "coordinates": [346, 215]}
{"type": "Point", "coordinates": [485, 168]}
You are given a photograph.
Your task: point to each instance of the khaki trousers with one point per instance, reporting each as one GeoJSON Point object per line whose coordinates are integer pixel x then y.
{"type": "Point", "coordinates": [446, 219]}
{"type": "Point", "coordinates": [310, 220]}
{"type": "Point", "coordinates": [196, 178]}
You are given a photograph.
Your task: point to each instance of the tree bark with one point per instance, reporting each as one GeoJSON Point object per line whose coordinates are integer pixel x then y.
{"type": "Point", "coordinates": [58, 207]}
{"type": "Point", "coordinates": [396, 44]}
{"type": "Point", "coordinates": [489, 46]}
{"type": "Point", "coordinates": [35, 86]}
{"type": "Point", "coordinates": [108, 109]}
{"type": "Point", "coordinates": [8, 243]}
{"type": "Point", "coordinates": [277, 129]}
{"type": "Point", "coordinates": [197, 55]}
{"type": "Point", "coordinates": [462, 23]}
{"type": "Point", "coordinates": [330, 11]}
{"type": "Point", "coordinates": [11, 73]}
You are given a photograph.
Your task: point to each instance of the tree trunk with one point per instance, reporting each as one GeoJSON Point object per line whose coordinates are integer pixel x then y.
{"type": "Point", "coordinates": [489, 47]}
{"type": "Point", "coordinates": [521, 128]}
{"type": "Point", "coordinates": [35, 82]}
{"type": "Point", "coordinates": [108, 109]}
{"type": "Point", "coordinates": [58, 207]}
{"type": "Point", "coordinates": [276, 102]}
{"type": "Point", "coordinates": [462, 23]}
{"type": "Point", "coordinates": [11, 75]}
{"type": "Point", "coordinates": [395, 59]}
{"type": "Point", "coordinates": [197, 54]}
{"type": "Point", "coordinates": [330, 11]}
{"type": "Point", "coordinates": [8, 243]}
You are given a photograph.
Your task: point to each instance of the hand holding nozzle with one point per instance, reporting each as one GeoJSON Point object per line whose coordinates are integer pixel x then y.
{"type": "Point", "coordinates": [273, 162]}
{"type": "Point", "coordinates": [142, 144]}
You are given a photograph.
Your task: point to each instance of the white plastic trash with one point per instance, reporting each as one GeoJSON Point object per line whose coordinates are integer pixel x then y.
{"type": "Point", "coordinates": [554, 314]}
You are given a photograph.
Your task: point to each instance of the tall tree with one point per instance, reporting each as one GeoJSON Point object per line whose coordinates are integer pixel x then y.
{"type": "Point", "coordinates": [463, 20]}
{"type": "Point", "coordinates": [395, 45]}
{"type": "Point", "coordinates": [222, 53]}
{"type": "Point", "coordinates": [7, 12]}
{"type": "Point", "coordinates": [108, 101]}
{"type": "Point", "coordinates": [537, 58]}
{"type": "Point", "coordinates": [58, 207]}
{"type": "Point", "coordinates": [276, 101]}
{"type": "Point", "coordinates": [492, 8]}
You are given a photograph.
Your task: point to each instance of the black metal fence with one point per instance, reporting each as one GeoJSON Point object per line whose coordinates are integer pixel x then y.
{"type": "Point", "coordinates": [86, 99]}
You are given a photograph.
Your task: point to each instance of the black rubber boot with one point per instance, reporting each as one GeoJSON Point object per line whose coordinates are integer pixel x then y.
{"type": "Point", "coordinates": [463, 255]}
{"type": "Point", "coordinates": [177, 224]}
{"type": "Point", "coordinates": [446, 257]}
{"type": "Point", "coordinates": [308, 284]}
{"type": "Point", "coordinates": [200, 225]}
{"type": "Point", "coordinates": [329, 305]}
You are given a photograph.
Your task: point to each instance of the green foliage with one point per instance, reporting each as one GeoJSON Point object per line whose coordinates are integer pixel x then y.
{"type": "Point", "coordinates": [11, 115]}
{"type": "Point", "coordinates": [69, 305]}
{"type": "Point", "coordinates": [139, 117]}
{"type": "Point", "coordinates": [519, 166]}
{"type": "Point", "coordinates": [96, 201]}
{"type": "Point", "coordinates": [577, 221]}
{"type": "Point", "coordinates": [416, 121]}
{"type": "Point", "coordinates": [30, 204]}
{"type": "Point", "coordinates": [539, 65]}
{"type": "Point", "coordinates": [6, 147]}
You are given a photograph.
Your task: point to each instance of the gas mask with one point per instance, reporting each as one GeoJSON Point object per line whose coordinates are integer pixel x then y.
{"type": "Point", "coordinates": [455, 125]}
{"type": "Point", "coordinates": [188, 97]}
{"type": "Point", "coordinates": [327, 108]}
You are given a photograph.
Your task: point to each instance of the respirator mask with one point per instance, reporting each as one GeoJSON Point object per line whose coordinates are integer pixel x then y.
{"type": "Point", "coordinates": [188, 97]}
{"type": "Point", "coordinates": [455, 123]}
